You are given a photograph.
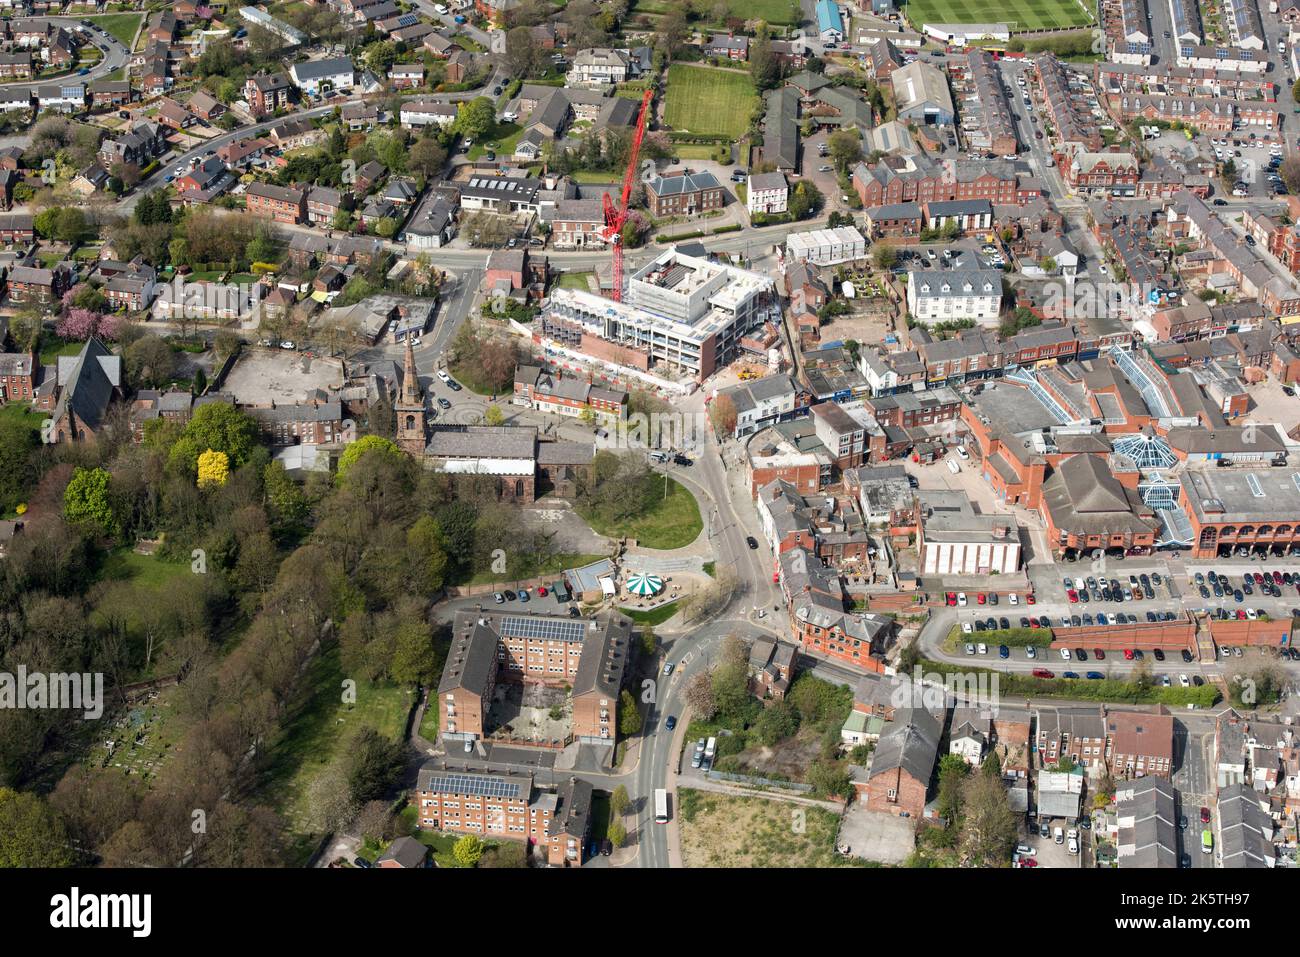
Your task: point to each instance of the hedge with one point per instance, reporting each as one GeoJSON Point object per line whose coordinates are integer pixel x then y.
{"type": "Point", "coordinates": [1106, 689]}
{"type": "Point", "coordinates": [1018, 637]}
{"type": "Point", "coordinates": [699, 139]}
{"type": "Point", "coordinates": [665, 238]}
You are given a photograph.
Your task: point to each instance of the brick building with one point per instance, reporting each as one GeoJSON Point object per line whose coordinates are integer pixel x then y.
{"type": "Point", "coordinates": [282, 204]}
{"type": "Point", "coordinates": [903, 763]}
{"type": "Point", "coordinates": [587, 655]}
{"type": "Point", "coordinates": [684, 194]}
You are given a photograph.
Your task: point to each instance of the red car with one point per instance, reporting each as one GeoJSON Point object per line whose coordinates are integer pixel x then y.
{"type": "Point", "coordinates": [541, 591]}
{"type": "Point", "coordinates": [1128, 654]}
{"type": "Point", "coordinates": [1241, 615]}
{"type": "Point", "coordinates": [980, 598]}
{"type": "Point", "coordinates": [1033, 622]}
{"type": "Point", "coordinates": [1100, 655]}
{"type": "Point", "coordinates": [1030, 599]}
{"type": "Point", "coordinates": [1073, 596]}
{"type": "Point", "coordinates": [1028, 862]}
{"type": "Point", "coordinates": [1277, 578]}
{"type": "Point", "coordinates": [1042, 673]}
{"type": "Point", "coordinates": [950, 598]}
{"type": "Point", "coordinates": [1205, 815]}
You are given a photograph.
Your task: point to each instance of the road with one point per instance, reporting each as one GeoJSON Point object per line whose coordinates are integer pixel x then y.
{"type": "Point", "coordinates": [114, 57]}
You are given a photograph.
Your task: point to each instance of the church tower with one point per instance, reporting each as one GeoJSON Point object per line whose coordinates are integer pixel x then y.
{"type": "Point", "coordinates": [409, 408]}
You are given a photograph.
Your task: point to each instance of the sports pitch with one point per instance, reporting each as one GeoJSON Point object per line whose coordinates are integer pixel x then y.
{"type": "Point", "coordinates": [707, 100]}
{"type": "Point", "coordinates": [1017, 14]}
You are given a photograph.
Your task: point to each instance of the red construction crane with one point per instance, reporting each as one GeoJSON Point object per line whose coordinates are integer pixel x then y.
{"type": "Point", "coordinates": [615, 217]}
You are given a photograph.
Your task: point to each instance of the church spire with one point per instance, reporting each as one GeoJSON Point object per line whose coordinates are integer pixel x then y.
{"type": "Point", "coordinates": [410, 379]}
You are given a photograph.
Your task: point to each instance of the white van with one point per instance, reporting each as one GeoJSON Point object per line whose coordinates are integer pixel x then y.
{"type": "Point", "coordinates": [962, 453]}
{"type": "Point", "coordinates": [1058, 835]}
{"type": "Point", "coordinates": [1074, 845]}
{"type": "Point", "coordinates": [953, 467]}
{"type": "Point", "coordinates": [443, 376]}
{"type": "Point", "coordinates": [439, 9]}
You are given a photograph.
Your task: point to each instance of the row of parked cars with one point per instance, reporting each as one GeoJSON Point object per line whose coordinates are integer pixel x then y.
{"type": "Point", "coordinates": [1092, 589]}
{"type": "Point", "coordinates": [1269, 584]}
{"type": "Point", "coordinates": [958, 599]}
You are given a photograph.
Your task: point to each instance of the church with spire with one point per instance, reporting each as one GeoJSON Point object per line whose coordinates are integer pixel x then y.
{"type": "Point", "coordinates": [409, 409]}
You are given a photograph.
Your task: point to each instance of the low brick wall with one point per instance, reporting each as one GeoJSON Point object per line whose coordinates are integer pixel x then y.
{"type": "Point", "coordinates": [1144, 635]}
{"type": "Point", "coordinates": [1234, 633]}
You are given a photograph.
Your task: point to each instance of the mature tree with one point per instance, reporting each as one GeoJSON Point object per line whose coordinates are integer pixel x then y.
{"type": "Point", "coordinates": [373, 764]}
{"type": "Point", "coordinates": [777, 722]}
{"type": "Point", "coordinates": [988, 825]}
{"type": "Point", "coordinates": [369, 444]}
{"type": "Point", "coordinates": [150, 362]}
{"type": "Point", "coordinates": [619, 800]}
{"type": "Point", "coordinates": [88, 502]}
{"type": "Point", "coordinates": [953, 770]}
{"type": "Point", "coordinates": [427, 157]}
{"type": "Point", "coordinates": [375, 821]}
{"type": "Point", "coordinates": [18, 442]}
{"type": "Point", "coordinates": [699, 695]}
{"type": "Point", "coordinates": [629, 716]}
{"type": "Point", "coordinates": [723, 416]}
{"type": "Point", "coordinates": [217, 427]}
{"type": "Point", "coordinates": [468, 850]}
{"type": "Point", "coordinates": [845, 149]}
{"type": "Point", "coordinates": [523, 55]}
{"type": "Point", "coordinates": [1290, 173]}
{"type": "Point", "coordinates": [616, 832]}
{"type": "Point", "coordinates": [330, 804]}
{"type": "Point", "coordinates": [884, 256]}
{"type": "Point", "coordinates": [764, 67]}
{"type": "Point", "coordinates": [673, 31]}
{"type": "Point", "coordinates": [31, 835]}
{"type": "Point", "coordinates": [475, 117]}
{"type": "Point", "coordinates": [731, 677]}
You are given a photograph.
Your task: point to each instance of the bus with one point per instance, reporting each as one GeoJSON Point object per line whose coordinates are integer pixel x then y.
{"type": "Point", "coordinates": [1207, 841]}
{"type": "Point", "coordinates": [661, 806]}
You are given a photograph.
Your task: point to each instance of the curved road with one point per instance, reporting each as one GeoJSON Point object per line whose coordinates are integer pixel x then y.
{"type": "Point", "coordinates": [114, 56]}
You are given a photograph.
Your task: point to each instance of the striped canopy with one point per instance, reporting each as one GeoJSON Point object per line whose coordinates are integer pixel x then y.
{"type": "Point", "coordinates": [643, 584]}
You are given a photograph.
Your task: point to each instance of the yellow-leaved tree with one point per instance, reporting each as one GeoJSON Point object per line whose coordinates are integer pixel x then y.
{"type": "Point", "coordinates": [214, 469]}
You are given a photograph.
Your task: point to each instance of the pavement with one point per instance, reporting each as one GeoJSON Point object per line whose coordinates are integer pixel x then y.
{"type": "Point", "coordinates": [114, 57]}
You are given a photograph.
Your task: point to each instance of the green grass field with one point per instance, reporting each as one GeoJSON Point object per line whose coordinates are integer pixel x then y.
{"type": "Point", "coordinates": [1018, 14]}
{"type": "Point", "coordinates": [778, 12]}
{"type": "Point", "coordinates": [706, 100]}
{"type": "Point", "coordinates": [121, 26]}
{"type": "Point", "coordinates": [673, 522]}
{"type": "Point", "coordinates": [315, 733]}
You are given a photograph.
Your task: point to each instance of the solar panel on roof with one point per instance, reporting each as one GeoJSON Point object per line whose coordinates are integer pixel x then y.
{"type": "Point", "coordinates": [480, 784]}
{"type": "Point", "coordinates": [558, 629]}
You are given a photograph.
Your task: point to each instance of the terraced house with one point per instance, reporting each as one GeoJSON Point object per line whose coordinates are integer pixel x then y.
{"type": "Point", "coordinates": [282, 204]}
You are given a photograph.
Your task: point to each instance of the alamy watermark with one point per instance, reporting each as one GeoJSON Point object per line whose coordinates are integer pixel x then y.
{"type": "Point", "coordinates": [1083, 299]}
{"type": "Point", "coordinates": [932, 690]}
{"type": "Point", "coordinates": [56, 691]}
{"type": "Point", "coordinates": [208, 300]}
{"type": "Point", "coordinates": [658, 430]}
